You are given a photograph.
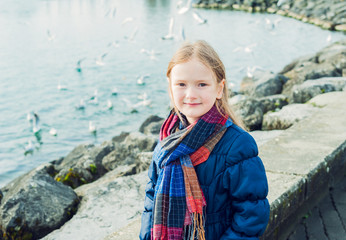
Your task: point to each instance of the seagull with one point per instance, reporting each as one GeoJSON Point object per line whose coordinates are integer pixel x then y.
{"type": "Point", "coordinates": [186, 8]}
{"type": "Point", "coordinates": [114, 44]}
{"type": "Point", "coordinates": [36, 124]}
{"type": "Point", "coordinates": [126, 20]}
{"type": "Point", "coordinates": [145, 102]}
{"type": "Point", "coordinates": [273, 24]}
{"type": "Point", "coordinates": [93, 98]}
{"type": "Point", "coordinates": [250, 70]}
{"type": "Point", "coordinates": [179, 4]}
{"type": "Point", "coordinates": [170, 34]}
{"type": "Point", "coordinates": [133, 107]}
{"type": "Point", "coordinates": [143, 96]}
{"type": "Point", "coordinates": [198, 18]}
{"type": "Point", "coordinates": [30, 117]}
{"type": "Point", "coordinates": [61, 87]}
{"type": "Point", "coordinates": [151, 53]}
{"type": "Point", "coordinates": [92, 128]}
{"type": "Point", "coordinates": [81, 105]}
{"type": "Point", "coordinates": [111, 12]}
{"type": "Point", "coordinates": [51, 36]}
{"type": "Point", "coordinates": [78, 65]}
{"type": "Point", "coordinates": [182, 33]}
{"type": "Point", "coordinates": [140, 80]}
{"type": "Point", "coordinates": [329, 38]}
{"type": "Point", "coordinates": [29, 148]}
{"type": "Point", "coordinates": [276, 21]}
{"type": "Point", "coordinates": [53, 132]}
{"type": "Point", "coordinates": [99, 59]}
{"type": "Point", "coordinates": [246, 49]}
{"type": "Point", "coordinates": [109, 104]}
{"type": "Point", "coordinates": [134, 33]}
{"type": "Point", "coordinates": [114, 12]}
{"type": "Point", "coordinates": [114, 91]}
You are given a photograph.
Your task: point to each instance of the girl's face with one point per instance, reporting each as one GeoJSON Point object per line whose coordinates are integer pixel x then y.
{"type": "Point", "coordinates": [194, 89]}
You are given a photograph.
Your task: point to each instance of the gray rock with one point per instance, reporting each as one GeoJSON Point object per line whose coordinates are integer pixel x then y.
{"type": "Point", "coordinates": [127, 151]}
{"type": "Point", "coordinates": [77, 153]}
{"type": "Point", "coordinates": [107, 205]}
{"type": "Point", "coordinates": [127, 161]}
{"type": "Point", "coordinates": [251, 111]}
{"type": "Point", "coordinates": [143, 161]}
{"type": "Point", "coordinates": [121, 155]}
{"type": "Point", "coordinates": [237, 98]}
{"type": "Point", "coordinates": [324, 69]}
{"type": "Point", "coordinates": [299, 62]}
{"type": "Point", "coordinates": [120, 138]}
{"type": "Point", "coordinates": [304, 92]}
{"type": "Point", "coordinates": [1, 196]}
{"type": "Point", "coordinates": [274, 102]}
{"type": "Point", "coordinates": [141, 141]}
{"type": "Point", "coordinates": [269, 84]}
{"type": "Point", "coordinates": [329, 62]}
{"type": "Point", "coordinates": [264, 84]}
{"type": "Point", "coordinates": [309, 71]}
{"type": "Point", "coordinates": [334, 53]}
{"type": "Point", "coordinates": [247, 84]}
{"type": "Point", "coordinates": [287, 116]}
{"type": "Point", "coordinates": [151, 125]}
{"type": "Point", "coordinates": [83, 164]}
{"type": "Point", "coordinates": [35, 204]}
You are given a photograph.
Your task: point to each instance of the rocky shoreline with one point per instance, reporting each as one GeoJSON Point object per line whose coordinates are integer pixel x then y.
{"type": "Point", "coordinates": [327, 14]}
{"type": "Point", "coordinates": [95, 190]}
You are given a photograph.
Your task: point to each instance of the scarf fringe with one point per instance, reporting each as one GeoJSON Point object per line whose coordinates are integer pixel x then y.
{"type": "Point", "coordinates": [196, 229]}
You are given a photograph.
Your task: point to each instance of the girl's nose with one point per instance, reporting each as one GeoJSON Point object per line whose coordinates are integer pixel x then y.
{"type": "Point", "coordinates": [190, 93]}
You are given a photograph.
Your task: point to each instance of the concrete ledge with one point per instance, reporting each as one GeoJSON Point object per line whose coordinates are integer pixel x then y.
{"type": "Point", "coordinates": [304, 161]}
{"type": "Point", "coordinates": [301, 163]}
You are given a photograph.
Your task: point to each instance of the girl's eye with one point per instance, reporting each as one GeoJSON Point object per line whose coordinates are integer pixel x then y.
{"type": "Point", "coordinates": [202, 84]}
{"type": "Point", "coordinates": [181, 84]}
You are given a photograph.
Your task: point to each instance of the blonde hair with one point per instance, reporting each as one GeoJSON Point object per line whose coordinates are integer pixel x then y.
{"type": "Point", "coordinates": [206, 55]}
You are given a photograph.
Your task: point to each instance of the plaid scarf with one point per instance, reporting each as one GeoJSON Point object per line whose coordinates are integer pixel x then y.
{"type": "Point", "coordinates": [179, 202]}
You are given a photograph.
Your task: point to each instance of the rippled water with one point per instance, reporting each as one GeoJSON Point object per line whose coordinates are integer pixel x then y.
{"type": "Point", "coordinates": [41, 42]}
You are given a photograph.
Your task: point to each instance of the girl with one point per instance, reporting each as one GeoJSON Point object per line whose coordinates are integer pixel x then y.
{"type": "Point", "coordinates": [206, 180]}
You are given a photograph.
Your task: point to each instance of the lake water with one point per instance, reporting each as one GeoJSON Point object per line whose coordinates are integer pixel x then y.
{"type": "Point", "coordinates": [42, 41]}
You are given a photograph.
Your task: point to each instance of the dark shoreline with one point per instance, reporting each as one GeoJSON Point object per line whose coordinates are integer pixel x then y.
{"type": "Point", "coordinates": [323, 13]}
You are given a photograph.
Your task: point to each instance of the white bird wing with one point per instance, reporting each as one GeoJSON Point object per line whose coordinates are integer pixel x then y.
{"type": "Point", "coordinates": [186, 7]}
{"type": "Point", "coordinates": [80, 61]}
{"type": "Point", "coordinates": [183, 33]}
{"type": "Point", "coordinates": [126, 20]}
{"type": "Point", "coordinates": [237, 49]}
{"type": "Point", "coordinates": [134, 33]}
{"type": "Point", "coordinates": [198, 17]}
{"type": "Point", "coordinates": [171, 25]}
{"type": "Point", "coordinates": [104, 55]}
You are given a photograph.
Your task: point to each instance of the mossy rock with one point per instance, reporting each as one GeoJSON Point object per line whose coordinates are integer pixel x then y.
{"type": "Point", "coordinates": [72, 178]}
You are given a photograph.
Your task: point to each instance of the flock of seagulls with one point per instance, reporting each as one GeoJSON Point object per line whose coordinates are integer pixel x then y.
{"type": "Point", "coordinates": [183, 7]}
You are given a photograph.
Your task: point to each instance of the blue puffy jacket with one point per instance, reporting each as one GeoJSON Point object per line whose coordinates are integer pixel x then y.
{"type": "Point", "coordinates": [235, 186]}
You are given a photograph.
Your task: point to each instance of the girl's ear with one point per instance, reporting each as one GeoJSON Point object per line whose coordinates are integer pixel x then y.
{"type": "Point", "coordinates": [220, 87]}
{"type": "Point", "coordinates": [167, 79]}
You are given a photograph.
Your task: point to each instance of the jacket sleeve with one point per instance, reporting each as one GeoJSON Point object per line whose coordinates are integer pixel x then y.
{"type": "Point", "coordinates": [247, 184]}
{"type": "Point", "coordinates": [148, 203]}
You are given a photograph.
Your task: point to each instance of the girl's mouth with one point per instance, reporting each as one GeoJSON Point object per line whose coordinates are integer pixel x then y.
{"type": "Point", "coordinates": [192, 104]}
